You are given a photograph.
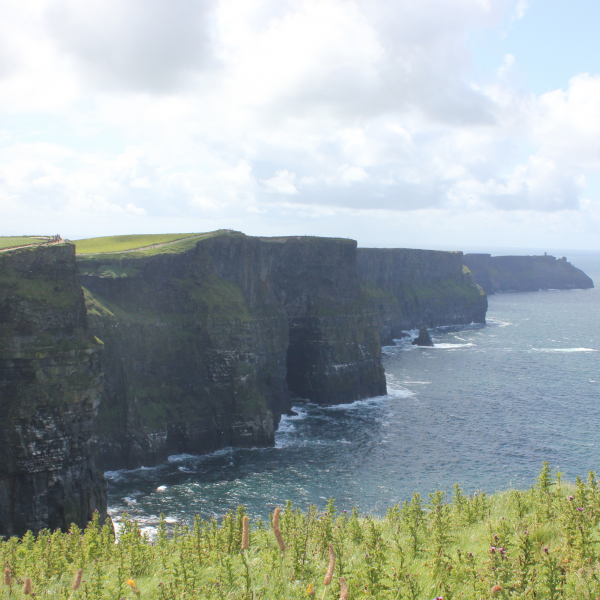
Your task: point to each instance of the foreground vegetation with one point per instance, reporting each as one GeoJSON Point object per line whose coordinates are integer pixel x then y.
{"type": "Point", "coordinates": [539, 543]}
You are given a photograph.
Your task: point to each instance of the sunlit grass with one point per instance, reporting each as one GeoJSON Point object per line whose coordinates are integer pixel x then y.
{"type": "Point", "coordinates": [119, 243]}
{"type": "Point", "coordinates": [14, 242]}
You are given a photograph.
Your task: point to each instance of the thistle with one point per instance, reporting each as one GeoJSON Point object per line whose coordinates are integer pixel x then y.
{"type": "Point", "coordinates": [277, 531]}
{"type": "Point", "coordinates": [77, 581]}
{"type": "Point", "coordinates": [330, 569]}
{"type": "Point", "coordinates": [8, 581]}
{"type": "Point", "coordinates": [245, 548]}
{"type": "Point", "coordinates": [27, 587]}
{"type": "Point", "coordinates": [343, 589]}
{"type": "Point", "coordinates": [281, 545]}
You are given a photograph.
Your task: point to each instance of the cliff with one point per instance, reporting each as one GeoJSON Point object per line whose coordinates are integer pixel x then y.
{"type": "Point", "coordinates": [50, 387]}
{"type": "Point", "coordinates": [207, 339]}
{"type": "Point", "coordinates": [411, 289]}
{"type": "Point", "coordinates": [525, 273]}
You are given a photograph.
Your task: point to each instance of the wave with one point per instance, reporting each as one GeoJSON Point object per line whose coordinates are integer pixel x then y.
{"type": "Point", "coordinates": [564, 349]}
{"type": "Point", "coordinates": [447, 346]}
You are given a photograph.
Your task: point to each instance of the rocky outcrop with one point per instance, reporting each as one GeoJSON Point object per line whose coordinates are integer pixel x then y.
{"type": "Point", "coordinates": [423, 339]}
{"type": "Point", "coordinates": [50, 388]}
{"type": "Point", "coordinates": [206, 344]}
{"type": "Point", "coordinates": [525, 273]}
{"type": "Point", "coordinates": [411, 289]}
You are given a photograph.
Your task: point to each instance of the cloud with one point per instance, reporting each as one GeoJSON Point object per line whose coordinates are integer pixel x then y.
{"type": "Point", "coordinates": [276, 112]}
{"type": "Point", "coordinates": [138, 45]}
{"type": "Point", "coordinates": [282, 183]}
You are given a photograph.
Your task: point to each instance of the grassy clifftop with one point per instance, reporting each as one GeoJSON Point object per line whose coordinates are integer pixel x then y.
{"type": "Point", "coordinates": [23, 240]}
{"type": "Point", "coordinates": [146, 244]}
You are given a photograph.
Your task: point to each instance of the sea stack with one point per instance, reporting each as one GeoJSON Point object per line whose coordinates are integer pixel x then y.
{"type": "Point", "coordinates": [424, 338]}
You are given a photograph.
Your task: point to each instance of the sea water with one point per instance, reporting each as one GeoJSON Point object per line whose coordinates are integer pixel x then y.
{"type": "Point", "coordinates": [483, 408]}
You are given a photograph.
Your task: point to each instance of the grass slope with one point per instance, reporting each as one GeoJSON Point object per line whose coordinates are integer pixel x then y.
{"type": "Point", "coordinates": [120, 243]}
{"type": "Point", "coordinates": [537, 543]}
{"type": "Point", "coordinates": [14, 242]}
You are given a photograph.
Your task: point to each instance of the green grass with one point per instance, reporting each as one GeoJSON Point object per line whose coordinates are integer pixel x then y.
{"type": "Point", "coordinates": [15, 242]}
{"type": "Point", "coordinates": [119, 243]}
{"type": "Point", "coordinates": [537, 543]}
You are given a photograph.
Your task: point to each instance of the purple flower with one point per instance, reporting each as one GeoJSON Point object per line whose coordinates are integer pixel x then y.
{"type": "Point", "coordinates": [470, 554]}
{"type": "Point", "coordinates": [495, 537]}
{"type": "Point", "coordinates": [493, 549]}
{"type": "Point", "coordinates": [580, 509]}
{"type": "Point", "coordinates": [570, 497]}
{"type": "Point", "coordinates": [546, 549]}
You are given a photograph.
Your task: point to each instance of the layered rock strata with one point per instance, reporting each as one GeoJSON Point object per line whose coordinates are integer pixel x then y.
{"type": "Point", "coordinates": [525, 273]}
{"type": "Point", "coordinates": [411, 289]}
{"type": "Point", "coordinates": [50, 388]}
{"type": "Point", "coordinates": [206, 344]}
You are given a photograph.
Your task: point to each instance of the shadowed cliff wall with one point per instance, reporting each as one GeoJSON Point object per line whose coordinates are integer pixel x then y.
{"type": "Point", "coordinates": [411, 289]}
{"type": "Point", "coordinates": [50, 387]}
{"type": "Point", "coordinates": [525, 273]}
{"type": "Point", "coordinates": [204, 346]}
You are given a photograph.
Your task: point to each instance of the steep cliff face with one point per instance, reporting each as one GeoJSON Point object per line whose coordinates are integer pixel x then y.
{"type": "Point", "coordinates": [50, 387]}
{"type": "Point", "coordinates": [525, 273]}
{"type": "Point", "coordinates": [204, 343]}
{"type": "Point", "coordinates": [411, 289]}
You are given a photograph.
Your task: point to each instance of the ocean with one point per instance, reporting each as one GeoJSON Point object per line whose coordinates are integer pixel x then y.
{"type": "Point", "coordinates": [483, 408]}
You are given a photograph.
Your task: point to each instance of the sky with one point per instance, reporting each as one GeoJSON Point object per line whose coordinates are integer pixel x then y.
{"type": "Point", "coordinates": [398, 123]}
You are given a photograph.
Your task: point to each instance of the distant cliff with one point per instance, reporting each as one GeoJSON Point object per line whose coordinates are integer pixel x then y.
{"type": "Point", "coordinates": [207, 340]}
{"type": "Point", "coordinates": [411, 289]}
{"type": "Point", "coordinates": [50, 387]}
{"type": "Point", "coordinates": [525, 273]}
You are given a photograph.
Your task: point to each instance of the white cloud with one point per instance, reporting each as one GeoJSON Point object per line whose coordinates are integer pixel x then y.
{"type": "Point", "coordinates": [134, 210]}
{"type": "Point", "coordinates": [352, 109]}
{"type": "Point", "coordinates": [282, 183]}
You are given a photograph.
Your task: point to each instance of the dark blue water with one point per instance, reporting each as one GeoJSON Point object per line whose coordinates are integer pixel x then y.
{"type": "Point", "coordinates": [483, 408]}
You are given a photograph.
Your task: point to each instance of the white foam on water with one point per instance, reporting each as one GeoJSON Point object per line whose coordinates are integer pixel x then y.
{"type": "Point", "coordinates": [449, 346]}
{"type": "Point", "coordinates": [564, 350]}
{"type": "Point", "coordinates": [175, 458]}
{"type": "Point", "coordinates": [161, 488]}
{"type": "Point", "coordinates": [497, 322]}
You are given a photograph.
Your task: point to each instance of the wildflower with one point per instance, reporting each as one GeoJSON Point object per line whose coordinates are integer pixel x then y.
{"type": "Point", "coordinates": [77, 580]}
{"type": "Point", "coordinates": [343, 589]}
{"type": "Point", "coordinates": [470, 555]}
{"type": "Point", "coordinates": [570, 497]}
{"type": "Point", "coordinates": [27, 587]}
{"type": "Point", "coordinates": [276, 529]}
{"type": "Point", "coordinates": [580, 509]}
{"type": "Point", "coordinates": [493, 549]}
{"type": "Point", "coordinates": [495, 537]}
{"type": "Point", "coordinates": [546, 549]}
{"type": "Point", "coordinates": [134, 588]}
{"type": "Point", "coordinates": [245, 533]}
{"type": "Point", "coordinates": [331, 567]}
{"type": "Point", "coordinates": [311, 591]}
{"type": "Point", "coordinates": [496, 589]}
